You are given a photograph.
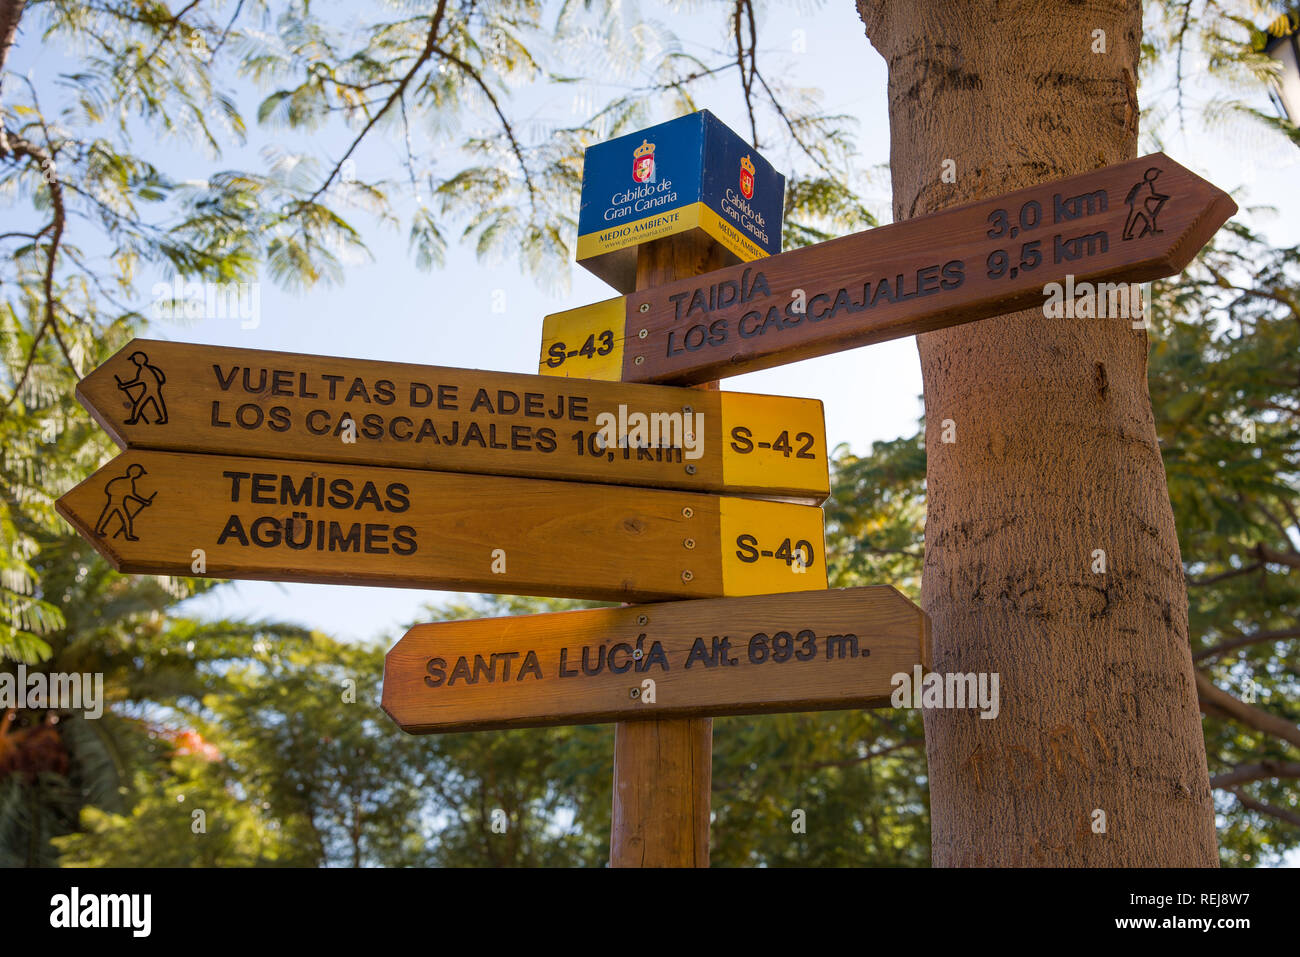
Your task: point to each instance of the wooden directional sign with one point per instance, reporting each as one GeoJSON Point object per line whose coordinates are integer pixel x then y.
{"type": "Point", "coordinates": [805, 651]}
{"type": "Point", "coordinates": [193, 398]}
{"type": "Point", "coordinates": [1134, 221]}
{"type": "Point", "coordinates": [172, 514]}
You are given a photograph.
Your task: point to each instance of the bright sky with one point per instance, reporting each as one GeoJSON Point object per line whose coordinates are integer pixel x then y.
{"type": "Point", "coordinates": [388, 310]}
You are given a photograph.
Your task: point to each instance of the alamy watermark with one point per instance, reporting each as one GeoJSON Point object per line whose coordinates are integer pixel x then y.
{"type": "Point", "coordinates": [1101, 300]}
{"type": "Point", "coordinates": [55, 690]}
{"type": "Point", "coordinates": [209, 300]}
{"type": "Point", "coordinates": [657, 430]}
{"type": "Point", "coordinates": [74, 909]}
{"type": "Point", "coordinates": [947, 690]}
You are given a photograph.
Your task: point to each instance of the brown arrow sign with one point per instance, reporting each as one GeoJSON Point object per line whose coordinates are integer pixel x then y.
{"type": "Point", "coordinates": [803, 651]}
{"type": "Point", "coordinates": [196, 398]}
{"type": "Point", "coordinates": [1135, 221]}
{"type": "Point", "coordinates": [171, 514]}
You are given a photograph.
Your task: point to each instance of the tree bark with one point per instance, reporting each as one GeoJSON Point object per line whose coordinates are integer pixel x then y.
{"type": "Point", "coordinates": [1055, 457]}
{"type": "Point", "coordinates": [11, 11]}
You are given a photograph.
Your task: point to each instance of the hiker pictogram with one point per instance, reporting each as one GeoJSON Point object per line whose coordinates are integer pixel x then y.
{"type": "Point", "coordinates": [124, 502]}
{"type": "Point", "coordinates": [1144, 205]}
{"type": "Point", "coordinates": [145, 390]}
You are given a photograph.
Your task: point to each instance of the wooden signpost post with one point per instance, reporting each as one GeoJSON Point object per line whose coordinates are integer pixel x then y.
{"type": "Point", "coordinates": [177, 514]}
{"type": "Point", "coordinates": [1134, 221]}
{"type": "Point", "coordinates": [800, 651]}
{"type": "Point", "coordinates": [211, 399]}
{"type": "Point", "coordinates": [663, 767]}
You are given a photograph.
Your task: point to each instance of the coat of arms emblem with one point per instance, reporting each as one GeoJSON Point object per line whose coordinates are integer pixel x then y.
{"type": "Point", "coordinates": [643, 162]}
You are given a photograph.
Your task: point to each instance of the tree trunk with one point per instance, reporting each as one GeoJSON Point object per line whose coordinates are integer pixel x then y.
{"type": "Point", "coordinates": [1055, 457]}
{"type": "Point", "coordinates": [11, 11]}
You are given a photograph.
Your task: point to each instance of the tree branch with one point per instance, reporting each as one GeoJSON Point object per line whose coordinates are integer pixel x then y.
{"type": "Point", "coordinates": [746, 84]}
{"type": "Point", "coordinates": [849, 762]}
{"type": "Point", "coordinates": [1275, 522]}
{"type": "Point", "coordinates": [505, 123]}
{"type": "Point", "coordinates": [1260, 771]}
{"type": "Point", "coordinates": [1245, 640]}
{"type": "Point", "coordinates": [1224, 576]}
{"type": "Point", "coordinates": [1215, 699]}
{"type": "Point", "coordinates": [1266, 554]}
{"type": "Point", "coordinates": [789, 125]}
{"type": "Point", "coordinates": [17, 145]}
{"type": "Point", "coordinates": [11, 11]}
{"type": "Point", "coordinates": [172, 24]}
{"type": "Point", "coordinates": [225, 34]}
{"type": "Point", "coordinates": [430, 44]}
{"type": "Point", "coordinates": [753, 67]}
{"type": "Point", "coordinates": [1280, 813]}
{"type": "Point", "coordinates": [1286, 507]}
{"type": "Point", "coordinates": [1180, 41]}
{"type": "Point", "coordinates": [27, 366]}
{"type": "Point", "coordinates": [689, 78]}
{"type": "Point", "coordinates": [32, 236]}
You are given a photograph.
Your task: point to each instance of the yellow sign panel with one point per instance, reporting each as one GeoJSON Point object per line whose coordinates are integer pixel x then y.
{"type": "Point", "coordinates": [773, 435]}
{"type": "Point", "coordinates": [585, 343]}
{"type": "Point", "coordinates": [767, 548]}
{"type": "Point", "coordinates": [639, 231]}
{"type": "Point", "coordinates": [728, 235]}
{"type": "Point", "coordinates": [695, 215]}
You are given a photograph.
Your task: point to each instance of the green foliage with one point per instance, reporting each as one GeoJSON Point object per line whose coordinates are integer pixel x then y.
{"type": "Point", "coordinates": [47, 444]}
{"type": "Point", "coordinates": [875, 515]}
{"type": "Point", "coordinates": [553, 785]}
{"type": "Point", "coordinates": [303, 737]}
{"type": "Point", "coordinates": [187, 816]}
{"type": "Point", "coordinates": [1184, 40]}
{"type": "Point", "coordinates": [853, 774]}
{"type": "Point", "coordinates": [550, 789]}
{"type": "Point", "coordinates": [289, 757]}
{"type": "Point", "coordinates": [1225, 376]}
{"type": "Point", "coordinates": [858, 776]}
{"type": "Point", "coordinates": [156, 669]}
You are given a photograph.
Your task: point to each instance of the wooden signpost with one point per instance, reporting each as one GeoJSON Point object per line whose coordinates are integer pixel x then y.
{"type": "Point", "coordinates": [176, 514]}
{"type": "Point", "coordinates": [1135, 221]}
{"type": "Point", "coordinates": [262, 465]}
{"type": "Point", "coordinates": [211, 399]}
{"type": "Point", "coordinates": [802, 651]}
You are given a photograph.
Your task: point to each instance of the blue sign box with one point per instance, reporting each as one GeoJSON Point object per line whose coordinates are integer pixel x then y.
{"type": "Point", "coordinates": [691, 173]}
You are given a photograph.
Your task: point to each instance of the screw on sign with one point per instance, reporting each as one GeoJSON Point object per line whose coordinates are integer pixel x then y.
{"type": "Point", "coordinates": [1135, 221]}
